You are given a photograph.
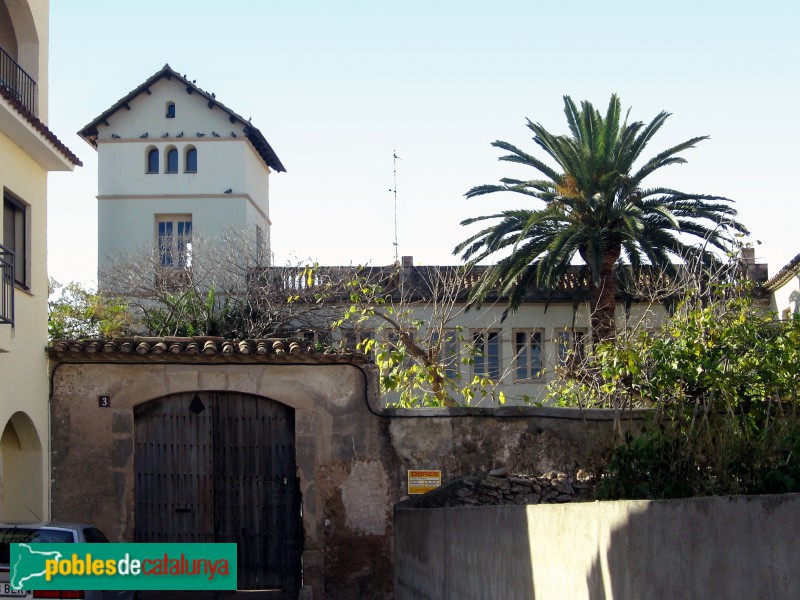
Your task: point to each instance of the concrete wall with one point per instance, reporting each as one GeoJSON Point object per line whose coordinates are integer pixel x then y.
{"type": "Point", "coordinates": [352, 456]}
{"type": "Point", "coordinates": [736, 548]}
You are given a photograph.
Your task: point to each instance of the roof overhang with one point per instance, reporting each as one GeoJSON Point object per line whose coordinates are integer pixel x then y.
{"type": "Point", "coordinates": [35, 139]}
{"type": "Point", "coordinates": [89, 132]}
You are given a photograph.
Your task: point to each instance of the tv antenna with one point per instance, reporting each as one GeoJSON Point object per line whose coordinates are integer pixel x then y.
{"type": "Point", "coordinates": [395, 158]}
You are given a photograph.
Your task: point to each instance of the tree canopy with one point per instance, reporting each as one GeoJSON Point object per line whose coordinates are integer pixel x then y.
{"type": "Point", "coordinates": [594, 206]}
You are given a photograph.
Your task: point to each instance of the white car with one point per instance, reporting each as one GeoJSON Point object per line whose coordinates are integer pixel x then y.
{"type": "Point", "coordinates": [50, 533]}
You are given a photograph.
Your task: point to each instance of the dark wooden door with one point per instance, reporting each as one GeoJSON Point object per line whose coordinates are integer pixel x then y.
{"type": "Point", "coordinates": [220, 467]}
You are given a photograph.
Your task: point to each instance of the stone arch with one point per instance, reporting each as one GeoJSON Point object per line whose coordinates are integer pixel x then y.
{"type": "Point", "coordinates": [231, 457]}
{"type": "Point", "coordinates": [8, 38]}
{"type": "Point", "coordinates": [25, 34]}
{"type": "Point", "coordinates": [21, 480]}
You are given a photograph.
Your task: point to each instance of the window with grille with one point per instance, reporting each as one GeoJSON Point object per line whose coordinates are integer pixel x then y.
{"type": "Point", "coordinates": [571, 346]}
{"type": "Point", "coordinates": [528, 354]}
{"type": "Point", "coordinates": [448, 352]}
{"type": "Point", "coordinates": [487, 353]}
{"type": "Point", "coordinates": [15, 237]}
{"type": "Point", "coordinates": [174, 240]}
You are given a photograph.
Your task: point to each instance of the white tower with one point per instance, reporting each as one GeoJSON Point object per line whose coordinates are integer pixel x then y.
{"type": "Point", "coordinates": [173, 160]}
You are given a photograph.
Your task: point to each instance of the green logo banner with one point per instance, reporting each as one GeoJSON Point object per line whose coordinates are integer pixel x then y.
{"type": "Point", "coordinates": [123, 566]}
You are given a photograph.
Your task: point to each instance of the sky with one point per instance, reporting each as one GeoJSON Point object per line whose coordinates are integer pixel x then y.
{"type": "Point", "coordinates": [338, 87]}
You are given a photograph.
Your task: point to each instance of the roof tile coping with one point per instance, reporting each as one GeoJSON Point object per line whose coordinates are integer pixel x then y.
{"type": "Point", "coordinates": [37, 124]}
{"type": "Point", "coordinates": [283, 349]}
{"type": "Point", "coordinates": [791, 269]}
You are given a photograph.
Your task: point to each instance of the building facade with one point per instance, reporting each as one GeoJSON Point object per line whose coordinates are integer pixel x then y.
{"type": "Point", "coordinates": [784, 290]}
{"type": "Point", "coordinates": [174, 163]}
{"type": "Point", "coordinates": [28, 151]}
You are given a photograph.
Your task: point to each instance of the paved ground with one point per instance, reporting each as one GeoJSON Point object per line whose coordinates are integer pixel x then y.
{"type": "Point", "coordinates": [248, 595]}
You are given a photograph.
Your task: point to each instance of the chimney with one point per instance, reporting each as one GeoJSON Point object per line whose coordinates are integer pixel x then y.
{"type": "Point", "coordinates": [755, 271]}
{"type": "Point", "coordinates": [408, 261]}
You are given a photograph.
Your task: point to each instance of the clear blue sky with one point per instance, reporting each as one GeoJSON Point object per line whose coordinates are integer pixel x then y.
{"type": "Point", "coordinates": [336, 87]}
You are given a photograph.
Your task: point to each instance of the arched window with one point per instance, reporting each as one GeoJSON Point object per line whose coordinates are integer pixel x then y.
{"type": "Point", "coordinates": [172, 161]}
{"type": "Point", "coordinates": [170, 110]}
{"type": "Point", "coordinates": [190, 164]}
{"type": "Point", "coordinates": [152, 160]}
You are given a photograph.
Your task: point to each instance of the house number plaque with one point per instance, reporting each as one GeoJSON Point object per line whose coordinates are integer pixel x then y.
{"type": "Point", "coordinates": [104, 401]}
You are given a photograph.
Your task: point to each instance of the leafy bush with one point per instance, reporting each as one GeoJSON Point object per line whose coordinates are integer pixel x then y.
{"type": "Point", "coordinates": [722, 377]}
{"type": "Point", "coordinates": [79, 313]}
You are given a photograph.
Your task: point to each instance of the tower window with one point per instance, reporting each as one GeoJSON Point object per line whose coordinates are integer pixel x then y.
{"type": "Point", "coordinates": [191, 160]}
{"type": "Point", "coordinates": [152, 160]}
{"type": "Point", "coordinates": [174, 240]}
{"type": "Point", "coordinates": [170, 110]}
{"type": "Point", "coordinates": [172, 161]}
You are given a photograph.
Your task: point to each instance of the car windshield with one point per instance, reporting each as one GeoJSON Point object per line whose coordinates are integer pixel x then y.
{"type": "Point", "coordinates": [17, 535]}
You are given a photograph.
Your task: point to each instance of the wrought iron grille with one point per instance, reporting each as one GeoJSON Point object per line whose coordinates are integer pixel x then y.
{"type": "Point", "coordinates": [6, 286]}
{"type": "Point", "coordinates": [14, 79]}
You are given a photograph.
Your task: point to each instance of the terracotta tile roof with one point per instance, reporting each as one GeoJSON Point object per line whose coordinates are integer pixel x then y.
{"type": "Point", "coordinates": [89, 132]}
{"type": "Point", "coordinates": [164, 349]}
{"type": "Point", "coordinates": [39, 126]}
{"type": "Point", "coordinates": [791, 269]}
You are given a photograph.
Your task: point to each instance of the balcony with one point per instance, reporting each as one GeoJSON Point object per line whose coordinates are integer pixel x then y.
{"type": "Point", "coordinates": [6, 286]}
{"type": "Point", "coordinates": [15, 80]}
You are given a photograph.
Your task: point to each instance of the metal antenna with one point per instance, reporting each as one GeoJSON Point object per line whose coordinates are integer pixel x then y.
{"type": "Point", "coordinates": [394, 191]}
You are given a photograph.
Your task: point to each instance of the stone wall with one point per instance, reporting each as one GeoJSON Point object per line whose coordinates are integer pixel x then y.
{"type": "Point", "coordinates": [499, 487]}
{"type": "Point", "coordinates": [352, 456]}
{"type": "Point", "coordinates": [736, 548]}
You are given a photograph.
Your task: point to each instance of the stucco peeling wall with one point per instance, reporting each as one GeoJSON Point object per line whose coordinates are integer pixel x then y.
{"type": "Point", "coordinates": [352, 457]}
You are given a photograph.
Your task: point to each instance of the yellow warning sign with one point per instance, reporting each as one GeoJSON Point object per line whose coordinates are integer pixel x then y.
{"type": "Point", "coordinates": [420, 481]}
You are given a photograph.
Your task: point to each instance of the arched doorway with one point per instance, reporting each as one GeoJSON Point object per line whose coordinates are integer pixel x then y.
{"type": "Point", "coordinates": [220, 467]}
{"type": "Point", "coordinates": [21, 453]}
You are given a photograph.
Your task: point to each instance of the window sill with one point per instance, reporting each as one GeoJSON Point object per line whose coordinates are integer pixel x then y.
{"type": "Point", "coordinates": [24, 289]}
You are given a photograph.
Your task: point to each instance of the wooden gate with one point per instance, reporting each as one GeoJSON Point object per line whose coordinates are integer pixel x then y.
{"type": "Point", "coordinates": [220, 467]}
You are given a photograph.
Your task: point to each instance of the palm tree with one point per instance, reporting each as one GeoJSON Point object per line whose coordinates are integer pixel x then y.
{"type": "Point", "coordinates": [594, 206]}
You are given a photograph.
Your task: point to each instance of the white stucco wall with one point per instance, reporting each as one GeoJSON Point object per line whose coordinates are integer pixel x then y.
{"type": "Point", "coordinates": [130, 198]}
{"type": "Point", "coordinates": [126, 226]}
{"type": "Point", "coordinates": [24, 384]}
{"type": "Point", "coordinates": [549, 320]}
{"type": "Point", "coordinates": [31, 26]}
{"type": "Point", "coordinates": [785, 300]}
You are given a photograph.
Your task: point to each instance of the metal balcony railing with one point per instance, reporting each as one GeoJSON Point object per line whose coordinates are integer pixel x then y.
{"type": "Point", "coordinates": [6, 286]}
{"type": "Point", "coordinates": [14, 79]}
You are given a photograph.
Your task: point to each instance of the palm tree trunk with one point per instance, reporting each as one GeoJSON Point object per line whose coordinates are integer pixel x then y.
{"type": "Point", "coordinates": [603, 301]}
